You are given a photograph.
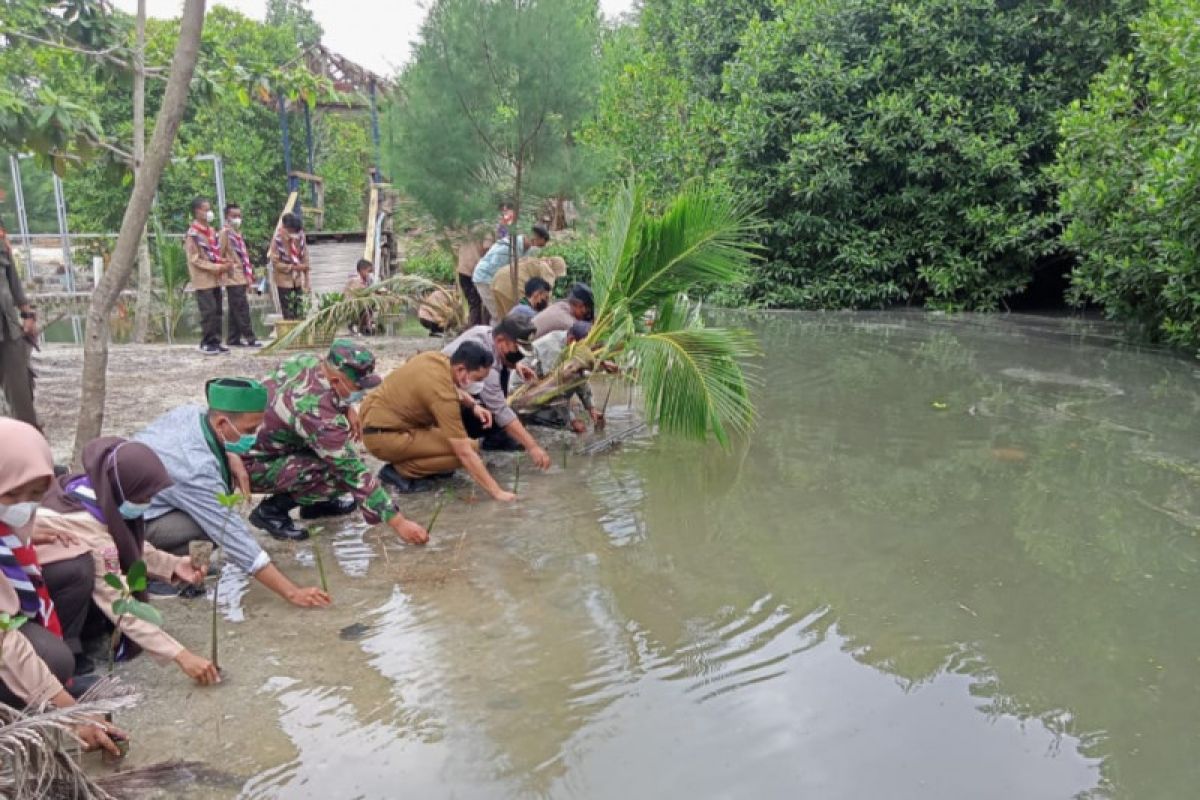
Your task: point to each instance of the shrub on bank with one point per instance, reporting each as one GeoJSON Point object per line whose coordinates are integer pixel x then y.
{"type": "Point", "coordinates": [1129, 172]}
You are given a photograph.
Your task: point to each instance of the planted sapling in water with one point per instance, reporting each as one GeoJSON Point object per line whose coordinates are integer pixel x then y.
{"type": "Point", "coordinates": [314, 532]}
{"type": "Point", "coordinates": [229, 502]}
{"type": "Point", "coordinates": [438, 510]}
{"type": "Point", "coordinates": [134, 582]}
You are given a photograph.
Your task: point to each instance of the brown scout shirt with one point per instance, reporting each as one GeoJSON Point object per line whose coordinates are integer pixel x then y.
{"type": "Point", "coordinates": [204, 273]}
{"type": "Point", "coordinates": [418, 395]}
{"type": "Point", "coordinates": [286, 275]}
{"type": "Point", "coordinates": [236, 274]}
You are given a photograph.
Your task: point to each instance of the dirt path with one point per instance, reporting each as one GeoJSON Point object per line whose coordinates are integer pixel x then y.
{"type": "Point", "coordinates": [146, 380]}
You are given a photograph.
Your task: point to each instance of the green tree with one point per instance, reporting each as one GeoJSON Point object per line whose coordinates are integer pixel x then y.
{"type": "Point", "coordinates": [494, 92]}
{"type": "Point", "coordinates": [1129, 171]}
{"type": "Point", "coordinates": [900, 149]}
{"type": "Point", "coordinates": [295, 17]}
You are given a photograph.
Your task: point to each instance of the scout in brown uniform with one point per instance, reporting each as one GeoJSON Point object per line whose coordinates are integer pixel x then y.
{"type": "Point", "coordinates": [417, 419]}
{"type": "Point", "coordinates": [238, 278]}
{"type": "Point", "coordinates": [206, 270]}
{"type": "Point", "coordinates": [289, 261]}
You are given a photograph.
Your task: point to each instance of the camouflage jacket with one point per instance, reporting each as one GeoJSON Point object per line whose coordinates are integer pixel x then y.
{"type": "Point", "coordinates": [304, 413]}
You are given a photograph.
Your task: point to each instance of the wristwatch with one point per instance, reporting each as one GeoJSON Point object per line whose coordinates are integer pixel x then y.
{"type": "Point", "coordinates": [28, 315]}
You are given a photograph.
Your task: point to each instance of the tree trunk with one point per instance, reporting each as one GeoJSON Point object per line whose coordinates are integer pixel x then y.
{"type": "Point", "coordinates": [145, 282]}
{"type": "Point", "coordinates": [513, 256]}
{"type": "Point", "coordinates": [145, 184]}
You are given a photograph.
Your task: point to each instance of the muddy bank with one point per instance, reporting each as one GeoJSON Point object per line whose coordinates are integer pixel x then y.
{"type": "Point", "coordinates": [146, 380]}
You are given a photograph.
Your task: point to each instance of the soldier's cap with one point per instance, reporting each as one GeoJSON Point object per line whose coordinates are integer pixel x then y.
{"type": "Point", "coordinates": [356, 363]}
{"type": "Point", "coordinates": [236, 395]}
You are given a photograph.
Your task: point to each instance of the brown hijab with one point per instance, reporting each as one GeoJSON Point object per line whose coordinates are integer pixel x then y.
{"type": "Point", "coordinates": [118, 470]}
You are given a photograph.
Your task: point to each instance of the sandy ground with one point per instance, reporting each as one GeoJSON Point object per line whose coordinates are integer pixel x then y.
{"type": "Point", "coordinates": [146, 380]}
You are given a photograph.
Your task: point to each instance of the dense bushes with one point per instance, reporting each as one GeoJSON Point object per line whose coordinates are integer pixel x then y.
{"type": "Point", "coordinates": [1129, 166]}
{"type": "Point", "coordinates": [899, 149]}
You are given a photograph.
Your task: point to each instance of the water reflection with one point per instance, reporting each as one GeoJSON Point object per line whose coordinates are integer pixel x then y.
{"type": "Point", "coordinates": [957, 559]}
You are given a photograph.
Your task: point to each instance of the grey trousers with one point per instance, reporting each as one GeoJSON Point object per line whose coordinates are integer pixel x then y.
{"type": "Point", "coordinates": [172, 531]}
{"type": "Point", "coordinates": [53, 651]}
{"type": "Point", "coordinates": [16, 376]}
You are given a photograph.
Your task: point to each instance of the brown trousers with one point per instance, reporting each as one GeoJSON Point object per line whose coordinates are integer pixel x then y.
{"type": "Point", "coordinates": [16, 378]}
{"type": "Point", "coordinates": [414, 454]}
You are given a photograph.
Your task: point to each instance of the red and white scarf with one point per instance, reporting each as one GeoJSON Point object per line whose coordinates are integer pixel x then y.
{"type": "Point", "coordinates": [290, 249]}
{"type": "Point", "coordinates": [239, 247]}
{"type": "Point", "coordinates": [19, 563]}
{"type": "Point", "coordinates": [206, 239]}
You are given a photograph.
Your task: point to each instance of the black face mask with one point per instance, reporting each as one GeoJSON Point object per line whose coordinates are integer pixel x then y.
{"type": "Point", "coordinates": [541, 305]}
{"type": "Point", "coordinates": [513, 358]}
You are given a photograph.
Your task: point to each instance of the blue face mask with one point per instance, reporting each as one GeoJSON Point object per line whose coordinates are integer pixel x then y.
{"type": "Point", "coordinates": [356, 396]}
{"type": "Point", "coordinates": [131, 510]}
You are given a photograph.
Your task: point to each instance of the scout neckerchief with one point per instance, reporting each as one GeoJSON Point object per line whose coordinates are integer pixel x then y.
{"type": "Point", "coordinates": [206, 239]}
{"type": "Point", "coordinates": [18, 563]}
{"type": "Point", "coordinates": [218, 451]}
{"type": "Point", "coordinates": [290, 249]}
{"type": "Point", "coordinates": [239, 247]}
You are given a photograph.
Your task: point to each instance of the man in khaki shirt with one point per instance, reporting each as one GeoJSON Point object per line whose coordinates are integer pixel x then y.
{"type": "Point", "coordinates": [418, 420]}
{"type": "Point", "coordinates": [206, 270]}
{"type": "Point", "coordinates": [290, 265]}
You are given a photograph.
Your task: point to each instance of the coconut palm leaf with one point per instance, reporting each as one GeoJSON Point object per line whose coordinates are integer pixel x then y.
{"type": "Point", "coordinates": [692, 380]}
{"type": "Point", "coordinates": [703, 239]}
{"type": "Point", "coordinates": [386, 297]}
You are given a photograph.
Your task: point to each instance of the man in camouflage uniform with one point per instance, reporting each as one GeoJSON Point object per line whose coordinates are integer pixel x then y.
{"type": "Point", "coordinates": [305, 452]}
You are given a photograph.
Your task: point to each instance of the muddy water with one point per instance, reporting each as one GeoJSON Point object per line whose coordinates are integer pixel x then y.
{"type": "Point", "coordinates": [958, 559]}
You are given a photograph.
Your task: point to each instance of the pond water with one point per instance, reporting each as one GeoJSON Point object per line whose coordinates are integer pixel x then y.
{"type": "Point", "coordinates": [957, 559]}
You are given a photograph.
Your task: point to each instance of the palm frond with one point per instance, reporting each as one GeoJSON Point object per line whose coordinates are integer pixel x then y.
{"type": "Point", "coordinates": [692, 380]}
{"type": "Point", "coordinates": [395, 294]}
{"type": "Point", "coordinates": [616, 248]}
{"type": "Point", "coordinates": [704, 238]}
{"type": "Point", "coordinates": [38, 758]}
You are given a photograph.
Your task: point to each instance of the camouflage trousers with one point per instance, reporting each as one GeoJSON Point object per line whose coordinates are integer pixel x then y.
{"type": "Point", "coordinates": [302, 476]}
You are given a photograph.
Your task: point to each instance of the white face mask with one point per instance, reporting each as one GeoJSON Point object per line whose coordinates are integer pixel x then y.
{"type": "Point", "coordinates": [474, 387]}
{"type": "Point", "coordinates": [235, 222]}
{"type": "Point", "coordinates": [18, 514]}
{"type": "Point", "coordinates": [208, 215]}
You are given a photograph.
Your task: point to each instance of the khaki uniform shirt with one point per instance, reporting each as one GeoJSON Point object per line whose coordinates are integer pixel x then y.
{"type": "Point", "coordinates": [236, 274]}
{"type": "Point", "coordinates": [287, 275]}
{"type": "Point", "coordinates": [418, 395]}
{"type": "Point", "coordinates": [204, 273]}
{"type": "Point", "coordinates": [548, 269]}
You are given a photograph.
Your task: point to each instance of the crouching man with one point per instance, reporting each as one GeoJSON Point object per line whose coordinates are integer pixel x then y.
{"type": "Point", "coordinates": [304, 454]}
{"type": "Point", "coordinates": [194, 444]}
{"type": "Point", "coordinates": [417, 420]}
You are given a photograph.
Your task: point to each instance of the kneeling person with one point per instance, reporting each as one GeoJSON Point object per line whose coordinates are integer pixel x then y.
{"type": "Point", "coordinates": [195, 444]}
{"type": "Point", "coordinates": [415, 420]}
{"type": "Point", "coordinates": [305, 455]}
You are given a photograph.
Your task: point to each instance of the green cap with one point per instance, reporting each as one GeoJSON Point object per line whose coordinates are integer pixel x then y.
{"type": "Point", "coordinates": [356, 363]}
{"type": "Point", "coordinates": [236, 395]}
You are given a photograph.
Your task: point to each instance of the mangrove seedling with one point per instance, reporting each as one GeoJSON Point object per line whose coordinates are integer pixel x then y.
{"type": "Point", "coordinates": [314, 532]}
{"type": "Point", "coordinates": [437, 510]}
{"type": "Point", "coordinates": [517, 474]}
{"type": "Point", "coordinates": [127, 604]}
{"type": "Point", "coordinates": [229, 502]}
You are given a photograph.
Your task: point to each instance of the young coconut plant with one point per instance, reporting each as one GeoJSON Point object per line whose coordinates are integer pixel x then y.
{"type": "Point", "coordinates": [691, 377]}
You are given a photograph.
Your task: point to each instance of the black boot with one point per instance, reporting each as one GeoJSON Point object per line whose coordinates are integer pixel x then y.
{"type": "Point", "coordinates": [337, 507]}
{"type": "Point", "coordinates": [404, 485]}
{"type": "Point", "coordinates": [272, 516]}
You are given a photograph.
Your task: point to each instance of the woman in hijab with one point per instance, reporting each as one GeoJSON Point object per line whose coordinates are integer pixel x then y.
{"type": "Point", "coordinates": [102, 508]}
{"type": "Point", "coordinates": [34, 660]}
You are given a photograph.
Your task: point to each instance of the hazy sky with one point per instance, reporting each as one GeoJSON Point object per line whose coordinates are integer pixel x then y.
{"type": "Point", "coordinates": [375, 33]}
